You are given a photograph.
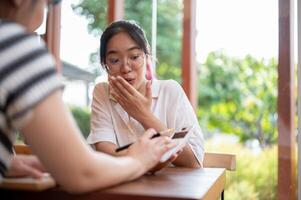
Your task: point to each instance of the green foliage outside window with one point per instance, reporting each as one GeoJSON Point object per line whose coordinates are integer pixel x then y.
{"type": "Point", "coordinates": [238, 96]}
{"type": "Point", "coordinates": [82, 118]}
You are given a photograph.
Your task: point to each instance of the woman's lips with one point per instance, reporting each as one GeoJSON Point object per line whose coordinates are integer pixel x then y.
{"type": "Point", "coordinates": [130, 80]}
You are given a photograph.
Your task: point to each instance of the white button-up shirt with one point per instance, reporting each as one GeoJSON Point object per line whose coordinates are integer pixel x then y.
{"type": "Point", "coordinates": [111, 123]}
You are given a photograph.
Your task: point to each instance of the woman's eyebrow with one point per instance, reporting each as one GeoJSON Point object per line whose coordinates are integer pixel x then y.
{"type": "Point", "coordinates": [111, 52]}
{"type": "Point", "coordinates": [129, 49]}
{"type": "Point", "coordinates": [133, 48]}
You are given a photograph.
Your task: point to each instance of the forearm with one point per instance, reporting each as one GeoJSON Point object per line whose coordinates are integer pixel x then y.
{"type": "Point", "coordinates": [151, 121]}
{"type": "Point", "coordinates": [187, 158]}
{"type": "Point", "coordinates": [104, 171]}
{"type": "Point", "coordinates": [109, 148]}
{"type": "Point", "coordinates": [77, 168]}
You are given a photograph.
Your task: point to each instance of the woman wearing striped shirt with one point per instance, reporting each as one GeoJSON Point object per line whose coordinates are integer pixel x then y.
{"type": "Point", "coordinates": [30, 101]}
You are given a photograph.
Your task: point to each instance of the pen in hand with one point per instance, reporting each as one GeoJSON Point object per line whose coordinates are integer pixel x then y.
{"type": "Point", "coordinates": [155, 135]}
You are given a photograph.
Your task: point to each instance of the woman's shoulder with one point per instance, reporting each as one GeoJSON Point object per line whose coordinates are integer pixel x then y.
{"type": "Point", "coordinates": [12, 33]}
{"type": "Point", "coordinates": [17, 42]}
{"type": "Point", "coordinates": [102, 85]}
{"type": "Point", "coordinates": [170, 89]}
{"type": "Point", "coordinates": [101, 88]}
{"type": "Point", "coordinates": [11, 27]}
{"type": "Point", "coordinates": [169, 85]}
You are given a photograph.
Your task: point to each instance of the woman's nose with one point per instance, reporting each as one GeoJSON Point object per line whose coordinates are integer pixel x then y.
{"type": "Point", "coordinates": [126, 67]}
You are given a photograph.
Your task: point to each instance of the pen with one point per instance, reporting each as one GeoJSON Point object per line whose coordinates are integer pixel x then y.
{"type": "Point", "coordinates": [154, 136]}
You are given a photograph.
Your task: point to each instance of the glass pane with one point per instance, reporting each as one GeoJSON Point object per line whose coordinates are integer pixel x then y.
{"type": "Point", "coordinates": [237, 50]}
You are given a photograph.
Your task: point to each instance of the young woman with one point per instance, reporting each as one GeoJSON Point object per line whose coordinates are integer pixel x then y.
{"type": "Point", "coordinates": [130, 104]}
{"type": "Point", "coordinates": [30, 101]}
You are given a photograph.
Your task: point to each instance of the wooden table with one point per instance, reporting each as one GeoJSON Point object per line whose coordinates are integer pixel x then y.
{"type": "Point", "coordinates": [168, 184]}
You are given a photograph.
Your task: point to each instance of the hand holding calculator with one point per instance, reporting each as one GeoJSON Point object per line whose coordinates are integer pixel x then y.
{"type": "Point", "coordinates": [181, 138]}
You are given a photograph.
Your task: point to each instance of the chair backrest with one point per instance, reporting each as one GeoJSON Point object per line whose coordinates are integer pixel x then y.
{"type": "Point", "coordinates": [220, 160]}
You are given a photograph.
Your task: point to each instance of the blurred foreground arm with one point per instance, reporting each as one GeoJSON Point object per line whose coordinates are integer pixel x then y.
{"type": "Point", "coordinates": [55, 138]}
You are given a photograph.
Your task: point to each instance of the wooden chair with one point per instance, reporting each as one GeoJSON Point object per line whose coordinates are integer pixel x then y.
{"type": "Point", "coordinates": [220, 160]}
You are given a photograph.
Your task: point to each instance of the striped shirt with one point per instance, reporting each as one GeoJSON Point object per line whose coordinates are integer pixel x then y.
{"type": "Point", "coordinates": [27, 76]}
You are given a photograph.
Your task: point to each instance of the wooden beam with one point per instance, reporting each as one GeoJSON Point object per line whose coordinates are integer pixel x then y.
{"type": "Point", "coordinates": [115, 10]}
{"type": "Point", "coordinates": [286, 104]}
{"type": "Point", "coordinates": [299, 95]}
{"type": "Point", "coordinates": [53, 32]}
{"type": "Point", "coordinates": [189, 68]}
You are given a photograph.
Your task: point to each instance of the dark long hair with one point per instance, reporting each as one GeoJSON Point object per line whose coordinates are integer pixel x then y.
{"type": "Point", "coordinates": [129, 27]}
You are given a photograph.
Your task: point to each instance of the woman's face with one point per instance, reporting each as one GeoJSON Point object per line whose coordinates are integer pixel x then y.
{"type": "Point", "coordinates": [126, 59]}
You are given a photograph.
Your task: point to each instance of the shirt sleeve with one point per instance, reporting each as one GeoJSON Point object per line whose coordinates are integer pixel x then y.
{"type": "Point", "coordinates": [101, 120]}
{"type": "Point", "coordinates": [185, 116]}
{"type": "Point", "coordinates": [28, 86]}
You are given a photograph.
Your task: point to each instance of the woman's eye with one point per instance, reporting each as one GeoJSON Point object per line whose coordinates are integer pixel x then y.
{"type": "Point", "coordinates": [113, 60]}
{"type": "Point", "coordinates": [135, 57]}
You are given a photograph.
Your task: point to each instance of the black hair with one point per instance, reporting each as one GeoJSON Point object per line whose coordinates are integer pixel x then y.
{"type": "Point", "coordinates": [129, 27]}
